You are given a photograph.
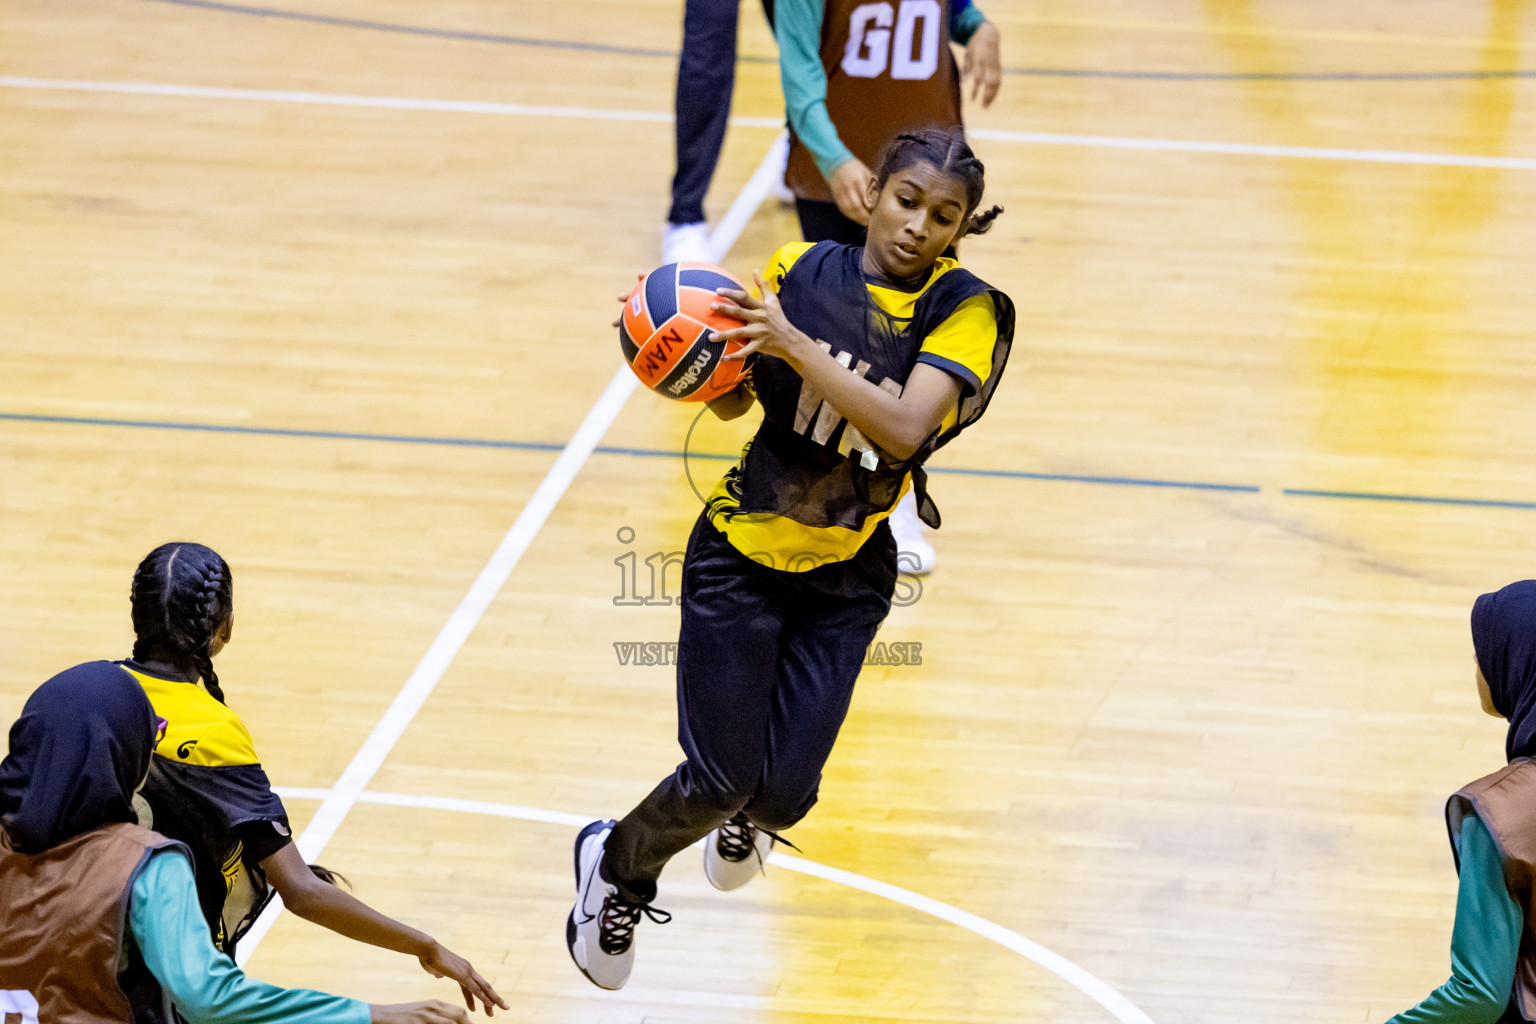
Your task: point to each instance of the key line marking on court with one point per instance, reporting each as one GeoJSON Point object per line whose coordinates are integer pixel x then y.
{"type": "Point", "coordinates": [587, 46]}
{"type": "Point", "coordinates": [1095, 988]}
{"type": "Point", "coordinates": [488, 584]}
{"type": "Point", "coordinates": [1207, 147]}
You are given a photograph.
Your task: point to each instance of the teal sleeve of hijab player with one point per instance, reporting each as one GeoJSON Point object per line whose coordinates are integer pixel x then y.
{"type": "Point", "coordinates": [964, 19]}
{"type": "Point", "coordinates": [797, 27]}
{"type": "Point", "coordinates": [1485, 941]}
{"type": "Point", "coordinates": [168, 927]}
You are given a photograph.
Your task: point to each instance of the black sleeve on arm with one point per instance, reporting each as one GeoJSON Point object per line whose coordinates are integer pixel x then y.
{"type": "Point", "coordinates": [262, 839]}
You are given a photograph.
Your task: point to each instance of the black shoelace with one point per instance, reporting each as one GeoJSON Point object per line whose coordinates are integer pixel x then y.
{"type": "Point", "coordinates": [617, 921]}
{"type": "Point", "coordinates": [737, 840]}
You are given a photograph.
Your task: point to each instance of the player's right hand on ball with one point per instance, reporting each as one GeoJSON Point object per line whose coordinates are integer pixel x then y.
{"type": "Point", "coordinates": [434, 1011]}
{"type": "Point", "coordinates": [850, 186]}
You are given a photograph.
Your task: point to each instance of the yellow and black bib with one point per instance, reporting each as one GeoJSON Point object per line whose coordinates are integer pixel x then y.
{"type": "Point", "coordinates": [206, 786]}
{"type": "Point", "coordinates": [810, 488]}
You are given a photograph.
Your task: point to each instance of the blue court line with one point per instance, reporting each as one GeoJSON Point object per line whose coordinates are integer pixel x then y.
{"type": "Point", "coordinates": [1027, 72]}
{"type": "Point", "coordinates": [1077, 478]}
{"type": "Point", "coordinates": [544, 446]}
{"type": "Point", "coordinates": [1273, 76]}
{"type": "Point", "coordinates": [421, 30]}
{"type": "Point", "coordinates": [338, 435]}
{"type": "Point", "coordinates": [1415, 499]}
{"type": "Point", "coordinates": [665, 453]}
{"type": "Point", "coordinates": [1007, 474]}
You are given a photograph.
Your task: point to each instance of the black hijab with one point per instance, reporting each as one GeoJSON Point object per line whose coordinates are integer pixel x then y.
{"type": "Point", "coordinates": [1504, 638]}
{"type": "Point", "coordinates": [79, 750]}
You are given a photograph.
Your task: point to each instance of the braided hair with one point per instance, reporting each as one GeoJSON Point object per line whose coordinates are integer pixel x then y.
{"type": "Point", "coordinates": [947, 150]}
{"type": "Point", "coordinates": [182, 596]}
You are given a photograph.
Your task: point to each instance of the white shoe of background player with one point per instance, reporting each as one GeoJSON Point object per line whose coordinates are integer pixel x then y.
{"type": "Point", "coordinates": [734, 853]}
{"type": "Point", "coordinates": [682, 242]}
{"type": "Point", "coordinates": [914, 554]}
{"type": "Point", "coordinates": [778, 189]}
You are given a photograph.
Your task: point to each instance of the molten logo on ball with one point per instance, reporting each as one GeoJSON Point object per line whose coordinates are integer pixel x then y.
{"type": "Point", "coordinates": [665, 331]}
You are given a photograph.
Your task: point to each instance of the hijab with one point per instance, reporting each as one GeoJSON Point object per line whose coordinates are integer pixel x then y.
{"type": "Point", "coordinates": [1504, 638]}
{"type": "Point", "coordinates": [79, 750]}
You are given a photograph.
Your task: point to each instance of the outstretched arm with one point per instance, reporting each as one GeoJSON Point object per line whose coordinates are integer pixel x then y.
{"type": "Point", "coordinates": [1485, 941]}
{"type": "Point", "coordinates": [797, 28]}
{"type": "Point", "coordinates": [167, 926]}
{"type": "Point", "coordinates": [899, 424]}
{"type": "Point", "coordinates": [326, 905]}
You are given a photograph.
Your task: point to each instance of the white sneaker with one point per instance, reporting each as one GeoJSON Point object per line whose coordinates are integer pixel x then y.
{"type": "Point", "coordinates": [680, 242]}
{"type": "Point", "coordinates": [779, 190]}
{"type": "Point", "coordinates": [914, 555]}
{"type": "Point", "coordinates": [735, 853]}
{"type": "Point", "coordinates": [600, 933]}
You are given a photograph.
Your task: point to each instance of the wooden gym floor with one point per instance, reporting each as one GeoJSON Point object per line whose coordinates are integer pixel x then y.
{"type": "Point", "coordinates": [1196, 675]}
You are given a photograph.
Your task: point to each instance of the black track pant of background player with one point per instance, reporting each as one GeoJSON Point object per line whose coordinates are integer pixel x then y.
{"type": "Point", "coordinates": [706, 76]}
{"type": "Point", "coordinates": [822, 221]}
{"type": "Point", "coordinates": [766, 664]}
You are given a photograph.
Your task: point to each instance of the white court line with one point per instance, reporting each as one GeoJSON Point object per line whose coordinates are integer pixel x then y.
{"type": "Point", "coordinates": [1099, 991]}
{"type": "Point", "coordinates": [1379, 156]}
{"type": "Point", "coordinates": [335, 806]}
{"type": "Point", "coordinates": [345, 100]}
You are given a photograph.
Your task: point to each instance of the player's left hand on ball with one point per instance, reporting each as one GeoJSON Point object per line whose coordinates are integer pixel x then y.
{"type": "Point", "coordinates": [984, 63]}
{"type": "Point", "coordinates": [442, 962]}
{"type": "Point", "coordinates": [767, 329]}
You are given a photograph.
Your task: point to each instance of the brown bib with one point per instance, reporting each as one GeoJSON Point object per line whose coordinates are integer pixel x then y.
{"type": "Point", "coordinates": [1505, 802]}
{"type": "Point", "coordinates": [63, 914]}
{"type": "Point", "coordinates": [889, 70]}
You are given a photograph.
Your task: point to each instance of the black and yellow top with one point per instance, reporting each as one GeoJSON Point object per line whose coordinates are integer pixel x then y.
{"type": "Point", "coordinates": [810, 488]}
{"type": "Point", "coordinates": [206, 787]}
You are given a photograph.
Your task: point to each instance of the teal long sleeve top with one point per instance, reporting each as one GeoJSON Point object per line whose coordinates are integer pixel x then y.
{"type": "Point", "coordinates": [1485, 941]}
{"type": "Point", "coordinates": [166, 924]}
{"type": "Point", "coordinates": [797, 26]}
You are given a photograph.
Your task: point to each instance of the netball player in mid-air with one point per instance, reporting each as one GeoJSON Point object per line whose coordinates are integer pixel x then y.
{"type": "Point", "coordinates": [867, 360]}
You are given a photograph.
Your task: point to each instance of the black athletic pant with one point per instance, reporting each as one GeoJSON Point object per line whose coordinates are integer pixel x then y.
{"type": "Point", "coordinates": [706, 75]}
{"type": "Point", "coordinates": [822, 221]}
{"type": "Point", "coordinates": [766, 664]}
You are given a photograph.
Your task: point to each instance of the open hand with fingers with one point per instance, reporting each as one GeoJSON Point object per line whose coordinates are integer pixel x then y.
{"type": "Point", "coordinates": [767, 330]}
{"type": "Point", "coordinates": [434, 1011]}
{"type": "Point", "coordinates": [442, 962]}
{"type": "Point", "coordinates": [984, 64]}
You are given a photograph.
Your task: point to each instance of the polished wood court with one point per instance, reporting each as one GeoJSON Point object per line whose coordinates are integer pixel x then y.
{"type": "Point", "coordinates": [1194, 740]}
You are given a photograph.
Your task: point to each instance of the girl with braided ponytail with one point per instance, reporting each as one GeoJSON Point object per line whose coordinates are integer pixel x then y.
{"type": "Point", "coordinates": [207, 789]}
{"type": "Point", "coordinates": [867, 360]}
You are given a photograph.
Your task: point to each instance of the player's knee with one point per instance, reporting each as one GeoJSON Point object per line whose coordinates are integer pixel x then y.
{"type": "Point", "coordinates": [777, 810]}
{"type": "Point", "coordinates": [723, 795]}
